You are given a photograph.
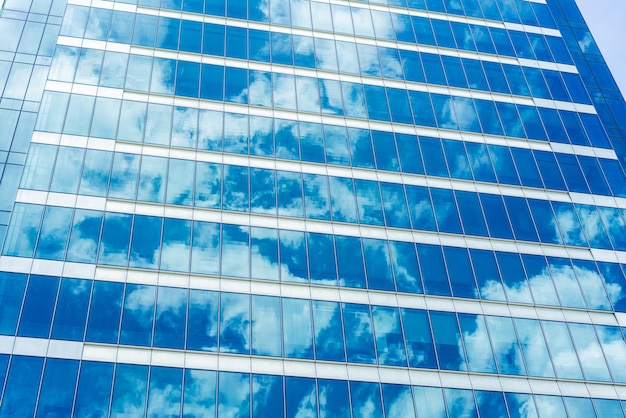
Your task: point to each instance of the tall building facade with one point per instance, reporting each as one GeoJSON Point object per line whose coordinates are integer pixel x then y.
{"type": "Point", "coordinates": [309, 208]}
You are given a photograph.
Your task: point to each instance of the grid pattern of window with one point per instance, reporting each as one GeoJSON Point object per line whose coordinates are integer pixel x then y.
{"type": "Point", "coordinates": [305, 208]}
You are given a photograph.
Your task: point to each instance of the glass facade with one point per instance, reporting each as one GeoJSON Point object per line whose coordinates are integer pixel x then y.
{"type": "Point", "coordinates": [306, 208]}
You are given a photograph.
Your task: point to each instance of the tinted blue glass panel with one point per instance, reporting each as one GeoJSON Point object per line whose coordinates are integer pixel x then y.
{"type": "Point", "coordinates": [434, 160]}
{"type": "Point", "coordinates": [71, 313]}
{"type": "Point", "coordinates": [94, 389]}
{"type": "Point", "coordinates": [487, 275]}
{"type": "Point", "coordinates": [389, 339]}
{"type": "Point", "coordinates": [138, 315]}
{"type": "Point", "coordinates": [366, 400]}
{"type": "Point", "coordinates": [572, 173]}
{"type": "Point", "coordinates": [422, 109]}
{"type": "Point", "coordinates": [513, 277]}
{"type": "Point", "coordinates": [199, 393]}
{"type": "Point", "coordinates": [404, 261]}
{"type": "Point", "coordinates": [521, 221]}
{"type": "Point", "coordinates": [57, 388]}
{"type": "Point", "coordinates": [350, 262]}
{"type": "Point", "coordinates": [164, 393]}
{"type": "Point", "coordinates": [460, 402]}
{"type": "Point", "coordinates": [266, 326]}
{"type": "Point", "coordinates": [105, 312]}
{"type": "Point", "coordinates": [419, 343]}
{"type": "Point", "coordinates": [480, 162]}
{"type": "Point", "coordinates": [36, 317]}
{"type": "Point", "coordinates": [12, 287]}
{"type": "Point", "coordinates": [171, 309]}
{"type": "Point", "coordinates": [446, 211]}
{"type": "Point", "coordinates": [327, 323]}
{"type": "Point", "coordinates": [496, 215]}
{"type": "Point", "coordinates": [130, 390]}
{"type": "Point", "coordinates": [115, 239]}
{"type": "Point", "coordinates": [460, 272]}
{"type": "Point", "coordinates": [448, 341]}
{"type": "Point", "coordinates": [235, 323]}
{"type": "Point", "coordinates": [409, 153]}
{"type": "Point", "coordinates": [333, 398]}
{"type": "Point", "coordinates": [234, 394]}
{"type": "Point", "coordinates": [433, 270]}
{"type": "Point", "coordinates": [471, 213]}
{"type": "Point", "coordinates": [267, 395]}
{"type": "Point", "coordinates": [321, 249]}
{"type": "Point", "coordinates": [202, 320]}
{"type": "Point", "coordinates": [20, 396]}
{"type": "Point", "coordinates": [421, 209]}
{"type": "Point", "coordinates": [359, 333]}
{"type": "Point", "coordinates": [457, 159]}
{"type": "Point", "coordinates": [300, 397]}
{"type": "Point", "coordinates": [526, 167]}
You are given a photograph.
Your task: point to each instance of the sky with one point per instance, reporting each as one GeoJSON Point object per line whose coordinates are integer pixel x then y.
{"type": "Point", "coordinates": [606, 19]}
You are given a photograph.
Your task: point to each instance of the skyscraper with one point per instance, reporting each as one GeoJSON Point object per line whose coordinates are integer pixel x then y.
{"type": "Point", "coordinates": [309, 208]}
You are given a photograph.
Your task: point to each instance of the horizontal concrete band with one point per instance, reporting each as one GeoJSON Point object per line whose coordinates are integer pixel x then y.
{"type": "Point", "coordinates": [308, 291]}
{"type": "Point", "coordinates": [305, 368]}
{"type": "Point", "coordinates": [326, 75]}
{"type": "Point", "coordinates": [309, 225]}
{"type": "Point", "coordinates": [323, 169]}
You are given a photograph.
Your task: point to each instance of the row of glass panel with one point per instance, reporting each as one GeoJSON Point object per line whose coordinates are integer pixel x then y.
{"type": "Point", "coordinates": [143, 30]}
{"type": "Point", "coordinates": [31, 37]}
{"type": "Point", "coordinates": [514, 11]}
{"type": "Point", "coordinates": [333, 97]}
{"type": "Point", "coordinates": [346, 57]}
{"type": "Point", "coordinates": [201, 320]}
{"type": "Point", "coordinates": [330, 144]}
{"type": "Point", "coordinates": [292, 256]}
{"type": "Point", "coordinates": [54, 387]}
{"type": "Point", "coordinates": [334, 145]}
{"type": "Point", "coordinates": [315, 196]}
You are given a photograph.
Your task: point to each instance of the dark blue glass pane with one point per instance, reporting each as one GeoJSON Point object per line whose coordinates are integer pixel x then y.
{"type": "Point", "coordinates": [335, 394]}
{"type": "Point", "coordinates": [105, 311]}
{"type": "Point", "coordinates": [471, 213]}
{"type": "Point", "coordinates": [138, 315]}
{"type": "Point", "coordinates": [329, 341]}
{"type": "Point", "coordinates": [460, 272]}
{"type": "Point", "coordinates": [12, 288]}
{"type": "Point", "coordinates": [366, 400]}
{"type": "Point", "coordinates": [267, 396]}
{"type": "Point", "coordinates": [446, 211]}
{"type": "Point", "coordinates": [234, 394]}
{"type": "Point", "coordinates": [57, 388]}
{"type": "Point", "coordinates": [71, 314]}
{"type": "Point", "coordinates": [523, 226]}
{"type": "Point", "coordinates": [130, 390]}
{"type": "Point", "coordinates": [38, 307]}
{"type": "Point", "coordinates": [448, 341]}
{"type": "Point", "coordinates": [497, 219]}
{"type": "Point", "coordinates": [164, 393]}
{"type": "Point", "coordinates": [169, 328]}
{"type": "Point", "coordinates": [433, 270]}
{"type": "Point", "coordinates": [300, 397]}
{"type": "Point", "coordinates": [434, 160]}
{"type": "Point", "coordinates": [409, 153]}
{"type": "Point", "coordinates": [418, 338]}
{"type": "Point", "coordinates": [20, 395]}
{"type": "Point", "coordinates": [94, 389]}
